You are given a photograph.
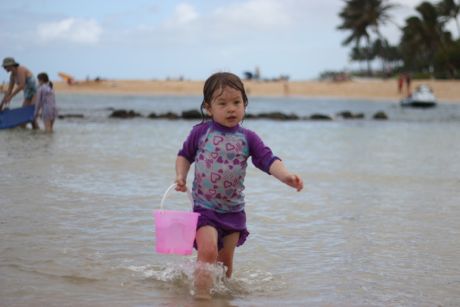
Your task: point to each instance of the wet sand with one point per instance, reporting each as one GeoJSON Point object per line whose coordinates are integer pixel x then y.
{"type": "Point", "coordinates": [446, 91]}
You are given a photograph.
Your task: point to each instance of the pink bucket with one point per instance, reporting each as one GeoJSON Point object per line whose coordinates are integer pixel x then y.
{"type": "Point", "coordinates": [175, 230]}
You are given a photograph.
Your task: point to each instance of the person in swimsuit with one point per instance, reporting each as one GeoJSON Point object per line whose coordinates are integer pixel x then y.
{"type": "Point", "coordinates": [21, 79]}
{"type": "Point", "coordinates": [46, 102]}
{"type": "Point", "coordinates": [220, 148]}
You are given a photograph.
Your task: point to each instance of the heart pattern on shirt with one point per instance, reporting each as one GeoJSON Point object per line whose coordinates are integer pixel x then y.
{"type": "Point", "coordinates": [229, 146]}
{"type": "Point", "coordinates": [227, 184]}
{"type": "Point", "coordinates": [217, 139]}
{"type": "Point", "coordinates": [215, 177]}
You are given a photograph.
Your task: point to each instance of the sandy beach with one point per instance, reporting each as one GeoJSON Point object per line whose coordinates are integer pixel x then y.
{"type": "Point", "coordinates": [446, 91]}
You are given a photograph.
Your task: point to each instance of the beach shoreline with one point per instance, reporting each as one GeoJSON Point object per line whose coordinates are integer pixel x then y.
{"type": "Point", "coordinates": [447, 91]}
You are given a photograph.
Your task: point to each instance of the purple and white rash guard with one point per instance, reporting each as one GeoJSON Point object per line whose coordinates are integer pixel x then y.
{"type": "Point", "coordinates": [220, 155]}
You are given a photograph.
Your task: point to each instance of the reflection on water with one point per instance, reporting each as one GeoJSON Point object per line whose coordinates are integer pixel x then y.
{"type": "Point", "coordinates": [378, 222]}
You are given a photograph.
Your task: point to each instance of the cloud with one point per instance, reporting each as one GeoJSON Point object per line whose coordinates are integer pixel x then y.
{"type": "Point", "coordinates": [259, 14]}
{"type": "Point", "coordinates": [183, 14]}
{"type": "Point", "coordinates": [225, 23]}
{"type": "Point", "coordinates": [70, 30]}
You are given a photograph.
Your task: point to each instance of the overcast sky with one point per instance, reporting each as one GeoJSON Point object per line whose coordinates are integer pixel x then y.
{"type": "Point", "coordinates": [148, 39]}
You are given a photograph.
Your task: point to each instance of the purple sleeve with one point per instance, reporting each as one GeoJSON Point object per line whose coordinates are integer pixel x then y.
{"type": "Point", "coordinates": [190, 146]}
{"type": "Point", "coordinates": [262, 156]}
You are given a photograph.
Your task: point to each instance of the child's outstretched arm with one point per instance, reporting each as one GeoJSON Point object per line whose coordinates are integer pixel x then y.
{"type": "Point", "coordinates": [278, 170]}
{"type": "Point", "coordinates": [182, 168]}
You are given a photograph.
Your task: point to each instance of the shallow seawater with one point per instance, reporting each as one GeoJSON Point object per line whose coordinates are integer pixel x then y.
{"type": "Point", "coordinates": [377, 224]}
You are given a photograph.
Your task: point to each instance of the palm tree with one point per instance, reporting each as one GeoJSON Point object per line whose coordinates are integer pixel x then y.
{"type": "Point", "coordinates": [358, 16]}
{"type": "Point", "coordinates": [449, 9]}
{"type": "Point", "coordinates": [387, 54]}
{"type": "Point", "coordinates": [360, 54]}
{"type": "Point", "coordinates": [424, 40]}
{"type": "Point", "coordinates": [414, 47]}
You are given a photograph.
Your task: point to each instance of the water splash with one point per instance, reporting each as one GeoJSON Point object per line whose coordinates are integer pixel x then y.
{"type": "Point", "coordinates": [181, 274]}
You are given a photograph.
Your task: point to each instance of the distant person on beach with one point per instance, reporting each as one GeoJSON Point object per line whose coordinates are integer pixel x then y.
{"type": "Point", "coordinates": [408, 84]}
{"type": "Point", "coordinates": [286, 88]}
{"type": "Point", "coordinates": [220, 149]}
{"type": "Point", "coordinates": [401, 82]}
{"type": "Point", "coordinates": [46, 102]}
{"type": "Point", "coordinates": [21, 79]}
{"type": "Point", "coordinates": [404, 80]}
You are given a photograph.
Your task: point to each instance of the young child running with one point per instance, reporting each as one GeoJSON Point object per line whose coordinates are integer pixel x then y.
{"type": "Point", "coordinates": [220, 148]}
{"type": "Point", "coordinates": [46, 102]}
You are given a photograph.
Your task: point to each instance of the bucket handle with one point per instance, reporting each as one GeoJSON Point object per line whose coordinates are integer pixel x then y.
{"type": "Point", "coordinates": [189, 195]}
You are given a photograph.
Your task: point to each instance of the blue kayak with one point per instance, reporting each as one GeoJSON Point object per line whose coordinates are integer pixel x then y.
{"type": "Point", "coordinates": [10, 118]}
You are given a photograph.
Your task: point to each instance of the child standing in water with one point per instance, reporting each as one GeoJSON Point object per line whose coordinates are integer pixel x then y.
{"type": "Point", "coordinates": [220, 148]}
{"type": "Point", "coordinates": [46, 102]}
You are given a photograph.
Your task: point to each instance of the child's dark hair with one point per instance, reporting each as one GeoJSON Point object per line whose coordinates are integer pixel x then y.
{"type": "Point", "coordinates": [43, 76]}
{"type": "Point", "coordinates": [218, 81]}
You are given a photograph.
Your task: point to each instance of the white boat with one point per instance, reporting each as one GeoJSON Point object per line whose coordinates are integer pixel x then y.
{"type": "Point", "coordinates": [422, 97]}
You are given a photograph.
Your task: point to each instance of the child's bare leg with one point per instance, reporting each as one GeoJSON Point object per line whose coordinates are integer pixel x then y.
{"type": "Point", "coordinates": [203, 282]}
{"type": "Point", "coordinates": [227, 252]}
{"type": "Point", "coordinates": [49, 126]}
{"type": "Point", "coordinates": [35, 125]}
{"type": "Point", "coordinates": [206, 240]}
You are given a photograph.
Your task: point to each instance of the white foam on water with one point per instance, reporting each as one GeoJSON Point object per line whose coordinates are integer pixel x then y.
{"type": "Point", "coordinates": [181, 274]}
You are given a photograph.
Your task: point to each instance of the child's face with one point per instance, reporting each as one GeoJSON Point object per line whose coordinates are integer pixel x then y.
{"type": "Point", "coordinates": [226, 107]}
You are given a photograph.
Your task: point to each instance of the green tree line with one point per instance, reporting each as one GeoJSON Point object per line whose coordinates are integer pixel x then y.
{"type": "Point", "coordinates": [426, 48]}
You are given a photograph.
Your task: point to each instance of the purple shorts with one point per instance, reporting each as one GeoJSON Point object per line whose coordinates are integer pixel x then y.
{"type": "Point", "coordinates": [224, 223]}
